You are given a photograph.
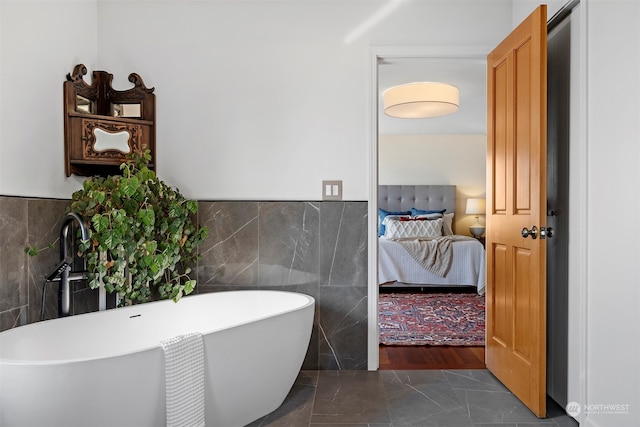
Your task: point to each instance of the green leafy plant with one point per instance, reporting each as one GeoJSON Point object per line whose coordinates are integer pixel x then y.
{"type": "Point", "coordinates": [142, 238]}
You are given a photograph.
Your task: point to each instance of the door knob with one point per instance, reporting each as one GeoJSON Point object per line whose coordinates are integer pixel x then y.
{"type": "Point", "coordinates": [546, 232]}
{"type": "Point", "coordinates": [533, 232]}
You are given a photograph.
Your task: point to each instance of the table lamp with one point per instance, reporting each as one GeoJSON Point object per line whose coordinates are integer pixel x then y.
{"type": "Point", "coordinates": [476, 207]}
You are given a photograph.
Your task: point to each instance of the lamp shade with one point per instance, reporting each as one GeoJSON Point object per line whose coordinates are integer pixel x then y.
{"type": "Point", "coordinates": [421, 100]}
{"type": "Point", "coordinates": [475, 207]}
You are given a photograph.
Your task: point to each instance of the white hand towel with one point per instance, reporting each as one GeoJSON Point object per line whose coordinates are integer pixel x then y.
{"type": "Point", "coordinates": [184, 377]}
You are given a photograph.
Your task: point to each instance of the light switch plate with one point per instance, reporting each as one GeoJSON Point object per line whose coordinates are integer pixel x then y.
{"type": "Point", "coordinates": [331, 190]}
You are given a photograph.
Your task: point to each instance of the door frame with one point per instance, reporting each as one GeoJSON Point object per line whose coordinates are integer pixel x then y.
{"type": "Point", "coordinates": [578, 245]}
{"type": "Point", "coordinates": [578, 210]}
{"type": "Point", "coordinates": [379, 53]}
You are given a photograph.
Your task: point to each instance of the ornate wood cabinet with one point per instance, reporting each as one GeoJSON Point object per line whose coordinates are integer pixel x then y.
{"type": "Point", "coordinates": [103, 125]}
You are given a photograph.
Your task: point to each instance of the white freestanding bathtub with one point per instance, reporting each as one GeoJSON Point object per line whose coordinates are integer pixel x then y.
{"type": "Point", "coordinates": [107, 368]}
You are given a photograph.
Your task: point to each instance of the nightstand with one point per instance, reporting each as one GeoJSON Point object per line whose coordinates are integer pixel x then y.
{"type": "Point", "coordinates": [480, 239]}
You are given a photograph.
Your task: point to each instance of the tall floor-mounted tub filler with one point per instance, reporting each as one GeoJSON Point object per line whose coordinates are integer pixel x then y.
{"type": "Point", "coordinates": [110, 367]}
{"type": "Point", "coordinates": [62, 273]}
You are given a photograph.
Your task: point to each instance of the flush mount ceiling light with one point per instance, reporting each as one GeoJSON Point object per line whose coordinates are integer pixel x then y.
{"type": "Point", "coordinates": [420, 100]}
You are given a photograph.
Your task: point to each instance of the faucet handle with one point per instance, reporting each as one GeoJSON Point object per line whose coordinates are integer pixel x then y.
{"type": "Point", "coordinates": [64, 264]}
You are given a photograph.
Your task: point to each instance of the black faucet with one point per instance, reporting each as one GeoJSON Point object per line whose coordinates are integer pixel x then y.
{"type": "Point", "coordinates": [66, 259]}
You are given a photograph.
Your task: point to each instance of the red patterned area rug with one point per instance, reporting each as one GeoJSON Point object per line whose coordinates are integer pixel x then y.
{"type": "Point", "coordinates": [431, 319]}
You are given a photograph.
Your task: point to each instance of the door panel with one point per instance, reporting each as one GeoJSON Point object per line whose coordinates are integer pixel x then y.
{"type": "Point", "coordinates": [501, 129]}
{"type": "Point", "coordinates": [516, 199]}
{"type": "Point", "coordinates": [500, 306]}
{"type": "Point", "coordinates": [522, 321]}
{"type": "Point", "coordinates": [522, 97]}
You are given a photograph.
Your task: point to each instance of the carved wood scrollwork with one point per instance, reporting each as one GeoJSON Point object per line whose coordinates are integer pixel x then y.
{"type": "Point", "coordinates": [97, 110]}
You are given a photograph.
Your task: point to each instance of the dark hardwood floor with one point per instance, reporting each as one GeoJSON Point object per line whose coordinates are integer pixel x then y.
{"type": "Point", "coordinates": [431, 357]}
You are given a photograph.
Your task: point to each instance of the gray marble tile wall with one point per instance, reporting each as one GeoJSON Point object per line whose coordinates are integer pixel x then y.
{"type": "Point", "coordinates": [317, 248]}
{"type": "Point", "coordinates": [14, 290]}
{"type": "Point", "coordinates": [35, 222]}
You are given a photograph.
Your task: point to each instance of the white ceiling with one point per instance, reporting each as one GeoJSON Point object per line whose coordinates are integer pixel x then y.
{"type": "Point", "coordinates": [467, 74]}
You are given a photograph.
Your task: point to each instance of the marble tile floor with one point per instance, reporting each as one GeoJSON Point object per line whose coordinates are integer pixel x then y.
{"type": "Point", "coordinates": [405, 398]}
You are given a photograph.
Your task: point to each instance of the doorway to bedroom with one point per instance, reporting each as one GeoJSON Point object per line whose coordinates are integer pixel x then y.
{"type": "Point", "coordinates": [437, 328]}
{"type": "Point", "coordinates": [564, 107]}
{"type": "Point", "coordinates": [432, 322]}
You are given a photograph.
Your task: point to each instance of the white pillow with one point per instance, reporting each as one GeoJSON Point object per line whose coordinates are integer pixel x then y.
{"type": "Point", "coordinates": [447, 222]}
{"type": "Point", "coordinates": [413, 228]}
{"type": "Point", "coordinates": [389, 217]}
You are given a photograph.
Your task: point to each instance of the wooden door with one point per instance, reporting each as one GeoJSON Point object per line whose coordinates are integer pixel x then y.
{"type": "Point", "coordinates": [516, 201]}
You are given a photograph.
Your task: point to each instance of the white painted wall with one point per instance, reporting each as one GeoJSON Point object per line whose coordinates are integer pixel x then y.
{"type": "Point", "coordinates": [458, 160]}
{"type": "Point", "coordinates": [613, 105]}
{"type": "Point", "coordinates": [522, 8]}
{"type": "Point", "coordinates": [257, 100]}
{"type": "Point", "coordinates": [40, 42]}
{"type": "Point", "coordinates": [276, 91]}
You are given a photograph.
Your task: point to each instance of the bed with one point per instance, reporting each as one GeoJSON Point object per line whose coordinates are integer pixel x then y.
{"type": "Point", "coordinates": [397, 267]}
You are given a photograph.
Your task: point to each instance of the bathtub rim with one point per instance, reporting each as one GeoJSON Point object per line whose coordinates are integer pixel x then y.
{"type": "Point", "coordinates": [310, 301]}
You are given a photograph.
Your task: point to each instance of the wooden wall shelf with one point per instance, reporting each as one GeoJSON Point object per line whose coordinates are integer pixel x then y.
{"type": "Point", "coordinates": [103, 125]}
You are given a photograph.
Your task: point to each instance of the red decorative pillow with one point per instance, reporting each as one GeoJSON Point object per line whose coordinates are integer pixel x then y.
{"type": "Point", "coordinates": [418, 219]}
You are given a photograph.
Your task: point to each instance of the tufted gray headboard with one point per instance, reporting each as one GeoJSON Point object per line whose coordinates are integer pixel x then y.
{"type": "Point", "coordinates": [404, 197]}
